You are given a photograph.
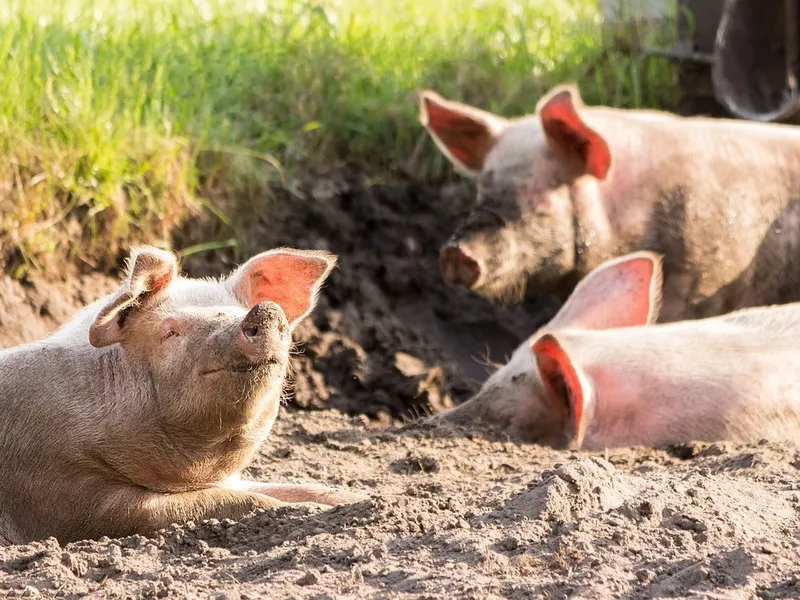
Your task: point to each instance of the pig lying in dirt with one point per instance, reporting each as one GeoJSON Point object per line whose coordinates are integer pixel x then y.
{"type": "Point", "coordinates": [143, 409]}
{"type": "Point", "coordinates": [598, 375]}
{"type": "Point", "coordinates": [564, 190]}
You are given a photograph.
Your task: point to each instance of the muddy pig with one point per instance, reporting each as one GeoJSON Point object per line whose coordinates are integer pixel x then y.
{"type": "Point", "coordinates": [144, 408]}
{"type": "Point", "coordinates": [563, 190]}
{"type": "Point", "coordinates": [600, 375]}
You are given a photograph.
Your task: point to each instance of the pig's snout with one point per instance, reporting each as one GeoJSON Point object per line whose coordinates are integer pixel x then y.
{"type": "Point", "coordinates": [458, 266]}
{"type": "Point", "coordinates": [264, 333]}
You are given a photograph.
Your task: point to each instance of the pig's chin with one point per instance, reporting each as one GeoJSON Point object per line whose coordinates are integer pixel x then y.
{"type": "Point", "coordinates": [507, 289]}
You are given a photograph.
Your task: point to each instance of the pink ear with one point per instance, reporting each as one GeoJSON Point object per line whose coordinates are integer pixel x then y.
{"type": "Point", "coordinates": [623, 292]}
{"type": "Point", "coordinates": [571, 136]}
{"type": "Point", "coordinates": [290, 278]}
{"type": "Point", "coordinates": [565, 392]}
{"type": "Point", "coordinates": [150, 272]}
{"type": "Point", "coordinates": [463, 133]}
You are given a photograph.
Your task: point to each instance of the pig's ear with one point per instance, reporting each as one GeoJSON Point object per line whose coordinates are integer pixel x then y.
{"type": "Point", "coordinates": [567, 392]}
{"type": "Point", "coordinates": [464, 134]}
{"type": "Point", "coordinates": [569, 135]}
{"type": "Point", "coordinates": [622, 292]}
{"type": "Point", "coordinates": [149, 273]}
{"type": "Point", "coordinates": [290, 278]}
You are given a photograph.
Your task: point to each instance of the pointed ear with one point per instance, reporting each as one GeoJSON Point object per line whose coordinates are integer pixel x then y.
{"type": "Point", "coordinates": [568, 134]}
{"type": "Point", "coordinates": [290, 278]}
{"type": "Point", "coordinates": [149, 273]}
{"type": "Point", "coordinates": [622, 292]}
{"type": "Point", "coordinates": [567, 390]}
{"type": "Point", "coordinates": [464, 134]}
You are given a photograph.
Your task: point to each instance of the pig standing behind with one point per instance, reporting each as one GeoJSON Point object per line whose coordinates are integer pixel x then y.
{"type": "Point", "coordinates": [564, 190]}
{"type": "Point", "coordinates": [595, 376]}
{"type": "Point", "coordinates": [143, 409]}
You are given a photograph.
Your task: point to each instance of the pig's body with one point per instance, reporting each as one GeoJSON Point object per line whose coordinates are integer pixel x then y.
{"type": "Point", "coordinates": [92, 442]}
{"type": "Point", "coordinates": [719, 199]}
{"type": "Point", "coordinates": [733, 377]}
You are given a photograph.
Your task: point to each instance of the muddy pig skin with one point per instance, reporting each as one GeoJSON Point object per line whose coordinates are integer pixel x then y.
{"type": "Point", "coordinates": [144, 408]}
{"type": "Point", "coordinates": [565, 189]}
{"type": "Point", "coordinates": [601, 375]}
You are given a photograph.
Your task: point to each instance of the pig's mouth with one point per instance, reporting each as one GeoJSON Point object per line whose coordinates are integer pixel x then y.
{"type": "Point", "coordinates": [243, 367]}
{"type": "Point", "coordinates": [505, 288]}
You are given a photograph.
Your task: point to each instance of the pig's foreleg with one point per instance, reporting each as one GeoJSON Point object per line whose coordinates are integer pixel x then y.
{"type": "Point", "coordinates": [305, 493]}
{"type": "Point", "coordinates": [143, 512]}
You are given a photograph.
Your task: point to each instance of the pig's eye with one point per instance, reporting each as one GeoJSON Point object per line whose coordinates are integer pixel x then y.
{"type": "Point", "coordinates": [170, 333]}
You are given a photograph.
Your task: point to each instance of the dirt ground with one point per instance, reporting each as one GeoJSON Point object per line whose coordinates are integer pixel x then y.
{"type": "Point", "coordinates": [452, 513]}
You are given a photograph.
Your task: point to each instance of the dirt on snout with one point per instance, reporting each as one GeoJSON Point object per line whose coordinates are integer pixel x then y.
{"type": "Point", "coordinates": [452, 513]}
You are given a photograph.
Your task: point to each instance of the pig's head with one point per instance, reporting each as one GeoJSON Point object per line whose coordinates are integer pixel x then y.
{"type": "Point", "coordinates": [522, 229]}
{"type": "Point", "coordinates": [543, 395]}
{"type": "Point", "coordinates": [208, 350]}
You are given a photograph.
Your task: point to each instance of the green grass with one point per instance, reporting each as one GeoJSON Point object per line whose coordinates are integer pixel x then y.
{"type": "Point", "coordinates": [116, 118]}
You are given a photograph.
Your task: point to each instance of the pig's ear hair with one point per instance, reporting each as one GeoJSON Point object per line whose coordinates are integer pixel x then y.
{"type": "Point", "coordinates": [569, 135]}
{"type": "Point", "coordinates": [464, 134]}
{"type": "Point", "coordinates": [290, 278]}
{"type": "Point", "coordinates": [566, 389]}
{"type": "Point", "coordinates": [622, 292]}
{"type": "Point", "coordinates": [149, 273]}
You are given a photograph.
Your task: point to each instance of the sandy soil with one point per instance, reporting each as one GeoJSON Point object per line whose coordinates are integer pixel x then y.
{"type": "Point", "coordinates": [452, 513]}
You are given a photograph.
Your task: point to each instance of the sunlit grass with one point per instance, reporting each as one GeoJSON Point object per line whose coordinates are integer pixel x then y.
{"type": "Point", "coordinates": [116, 117]}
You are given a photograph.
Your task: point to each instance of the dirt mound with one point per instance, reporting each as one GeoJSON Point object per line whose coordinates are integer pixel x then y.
{"type": "Point", "coordinates": [587, 486]}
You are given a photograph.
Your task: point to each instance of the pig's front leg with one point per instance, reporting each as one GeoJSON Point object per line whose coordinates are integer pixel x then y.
{"type": "Point", "coordinates": [304, 493]}
{"type": "Point", "coordinates": [133, 511]}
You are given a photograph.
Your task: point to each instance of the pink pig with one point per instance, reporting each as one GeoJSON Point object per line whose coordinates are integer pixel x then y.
{"type": "Point", "coordinates": [600, 374]}
{"type": "Point", "coordinates": [144, 409]}
{"type": "Point", "coordinates": [564, 189]}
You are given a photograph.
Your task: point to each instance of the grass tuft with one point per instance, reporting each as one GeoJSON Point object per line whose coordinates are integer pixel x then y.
{"type": "Point", "coordinates": [119, 119]}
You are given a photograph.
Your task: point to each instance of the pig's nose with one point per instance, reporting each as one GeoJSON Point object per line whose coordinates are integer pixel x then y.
{"type": "Point", "coordinates": [261, 328]}
{"type": "Point", "coordinates": [458, 267]}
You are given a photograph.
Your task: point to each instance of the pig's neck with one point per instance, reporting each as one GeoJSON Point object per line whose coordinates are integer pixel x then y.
{"type": "Point", "coordinates": [595, 237]}
{"type": "Point", "coordinates": [607, 221]}
{"type": "Point", "coordinates": [179, 451]}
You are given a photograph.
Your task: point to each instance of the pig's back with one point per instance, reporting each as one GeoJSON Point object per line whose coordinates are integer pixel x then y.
{"type": "Point", "coordinates": [665, 122]}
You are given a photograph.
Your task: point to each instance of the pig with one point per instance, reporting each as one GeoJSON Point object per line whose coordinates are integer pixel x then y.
{"type": "Point", "coordinates": [602, 374]}
{"type": "Point", "coordinates": [144, 408]}
{"type": "Point", "coordinates": [563, 190]}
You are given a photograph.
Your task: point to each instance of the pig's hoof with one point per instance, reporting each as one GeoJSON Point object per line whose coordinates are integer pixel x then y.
{"type": "Point", "coordinates": [340, 497]}
{"type": "Point", "coordinates": [331, 497]}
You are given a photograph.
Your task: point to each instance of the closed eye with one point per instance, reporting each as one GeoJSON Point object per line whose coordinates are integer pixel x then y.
{"type": "Point", "coordinates": [170, 333]}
